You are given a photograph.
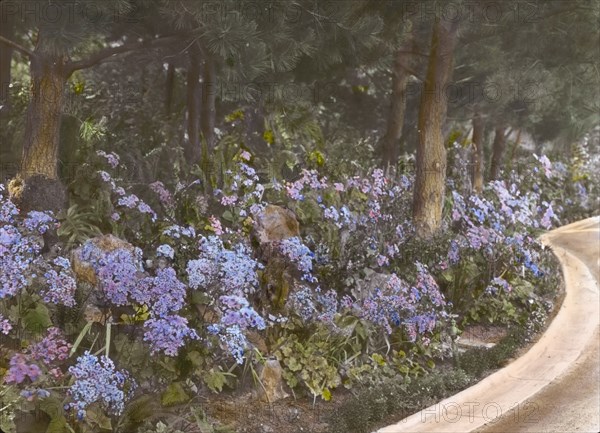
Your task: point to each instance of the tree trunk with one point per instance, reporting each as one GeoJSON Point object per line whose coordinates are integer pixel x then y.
{"type": "Point", "coordinates": [209, 94]}
{"type": "Point", "coordinates": [40, 146]}
{"type": "Point", "coordinates": [497, 152]}
{"type": "Point", "coordinates": [169, 88]}
{"type": "Point", "coordinates": [192, 151]}
{"type": "Point", "coordinates": [431, 162]}
{"type": "Point", "coordinates": [8, 31]}
{"type": "Point", "coordinates": [514, 148]}
{"type": "Point", "coordinates": [477, 156]}
{"type": "Point", "coordinates": [390, 142]}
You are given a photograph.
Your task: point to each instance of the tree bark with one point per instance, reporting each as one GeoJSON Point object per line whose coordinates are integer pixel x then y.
{"type": "Point", "coordinates": [209, 93]}
{"type": "Point", "coordinates": [514, 148]}
{"type": "Point", "coordinates": [477, 156]}
{"type": "Point", "coordinates": [6, 51]}
{"type": "Point", "coordinates": [40, 146]}
{"type": "Point", "coordinates": [390, 142]}
{"type": "Point", "coordinates": [192, 151]}
{"type": "Point", "coordinates": [431, 157]}
{"type": "Point", "coordinates": [169, 88]}
{"type": "Point", "coordinates": [497, 152]}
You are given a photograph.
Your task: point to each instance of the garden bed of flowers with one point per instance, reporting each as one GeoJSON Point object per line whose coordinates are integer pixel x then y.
{"type": "Point", "coordinates": [169, 311]}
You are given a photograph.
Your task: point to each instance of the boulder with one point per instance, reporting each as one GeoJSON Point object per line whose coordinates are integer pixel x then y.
{"type": "Point", "coordinates": [270, 376]}
{"type": "Point", "coordinates": [84, 270]}
{"type": "Point", "coordinates": [38, 193]}
{"type": "Point", "coordinates": [275, 223]}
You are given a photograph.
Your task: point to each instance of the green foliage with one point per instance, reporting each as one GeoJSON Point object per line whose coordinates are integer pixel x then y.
{"type": "Point", "coordinates": [78, 224]}
{"type": "Point", "coordinates": [478, 361]}
{"type": "Point", "coordinates": [393, 397]}
{"type": "Point", "coordinates": [311, 363]}
{"type": "Point", "coordinates": [174, 394]}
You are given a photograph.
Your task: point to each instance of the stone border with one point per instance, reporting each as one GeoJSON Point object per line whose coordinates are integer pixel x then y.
{"type": "Point", "coordinates": [557, 349]}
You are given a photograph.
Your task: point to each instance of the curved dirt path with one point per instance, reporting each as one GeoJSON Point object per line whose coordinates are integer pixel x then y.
{"type": "Point", "coordinates": [555, 386]}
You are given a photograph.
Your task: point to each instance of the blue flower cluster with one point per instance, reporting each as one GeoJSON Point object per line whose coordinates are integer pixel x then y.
{"type": "Point", "coordinates": [97, 381]}
{"type": "Point", "coordinates": [233, 339]}
{"type": "Point", "coordinates": [233, 269]}
{"type": "Point", "coordinates": [39, 221]}
{"type": "Point", "coordinates": [61, 285]}
{"type": "Point", "coordinates": [417, 307]}
{"type": "Point", "coordinates": [167, 333]}
{"type": "Point", "coordinates": [123, 281]}
{"type": "Point", "coordinates": [19, 247]}
{"type": "Point", "coordinates": [295, 250]}
{"type": "Point", "coordinates": [117, 271]}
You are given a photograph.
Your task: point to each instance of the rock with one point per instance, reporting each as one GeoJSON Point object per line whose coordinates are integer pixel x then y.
{"type": "Point", "coordinates": [83, 269]}
{"type": "Point", "coordinates": [257, 341]}
{"type": "Point", "coordinates": [270, 376]}
{"type": "Point", "coordinates": [275, 223]}
{"type": "Point", "coordinates": [38, 193]}
{"type": "Point", "coordinates": [265, 428]}
{"type": "Point", "coordinates": [368, 285]}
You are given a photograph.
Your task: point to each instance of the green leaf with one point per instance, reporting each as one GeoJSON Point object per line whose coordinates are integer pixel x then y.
{"type": "Point", "coordinates": [174, 394]}
{"type": "Point", "coordinates": [326, 394]}
{"type": "Point", "coordinates": [97, 417]}
{"type": "Point", "coordinates": [215, 379]}
{"type": "Point", "coordinates": [57, 425]}
{"type": "Point", "coordinates": [37, 319]}
{"type": "Point", "coordinates": [52, 406]}
{"type": "Point", "coordinates": [84, 331]}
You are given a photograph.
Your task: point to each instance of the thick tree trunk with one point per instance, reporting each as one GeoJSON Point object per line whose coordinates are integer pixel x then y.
{"type": "Point", "coordinates": [477, 156]}
{"type": "Point", "coordinates": [209, 94]}
{"type": "Point", "coordinates": [40, 146]}
{"type": "Point", "coordinates": [192, 151]}
{"type": "Point", "coordinates": [497, 152]}
{"type": "Point", "coordinates": [431, 154]}
{"type": "Point", "coordinates": [390, 142]}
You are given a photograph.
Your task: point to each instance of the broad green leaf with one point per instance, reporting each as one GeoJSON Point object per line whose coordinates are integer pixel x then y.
{"type": "Point", "coordinates": [37, 319]}
{"type": "Point", "coordinates": [174, 394]}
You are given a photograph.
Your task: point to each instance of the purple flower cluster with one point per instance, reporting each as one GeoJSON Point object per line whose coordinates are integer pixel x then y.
{"type": "Point", "coordinates": [20, 369]}
{"type": "Point", "coordinates": [53, 347]}
{"type": "Point", "coordinates": [498, 284]}
{"type": "Point", "coordinates": [164, 195]}
{"type": "Point", "coordinates": [112, 158]}
{"type": "Point", "coordinates": [417, 307]}
{"type": "Point", "coordinates": [97, 381]}
{"type": "Point", "coordinates": [310, 178]}
{"type": "Point", "coordinates": [5, 325]}
{"type": "Point", "coordinates": [61, 285]}
{"type": "Point", "coordinates": [243, 189]}
{"type": "Point", "coordinates": [237, 311]}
